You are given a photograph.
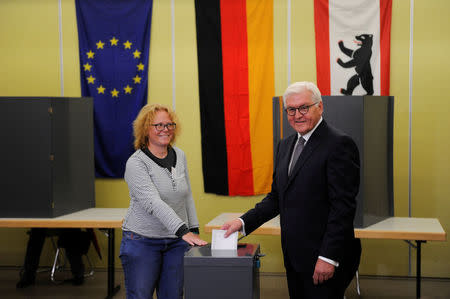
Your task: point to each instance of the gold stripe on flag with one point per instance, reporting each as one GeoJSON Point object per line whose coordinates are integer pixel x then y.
{"type": "Point", "coordinates": [261, 90]}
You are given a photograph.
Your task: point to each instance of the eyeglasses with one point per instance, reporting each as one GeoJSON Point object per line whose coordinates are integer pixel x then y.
{"type": "Point", "coordinates": [302, 109]}
{"type": "Point", "coordinates": [160, 127]}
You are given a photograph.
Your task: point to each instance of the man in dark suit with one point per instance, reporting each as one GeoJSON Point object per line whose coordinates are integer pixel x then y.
{"type": "Point", "coordinates": [315, 183]}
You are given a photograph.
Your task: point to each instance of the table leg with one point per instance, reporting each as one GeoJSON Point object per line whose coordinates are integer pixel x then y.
{"type": "Point", "coordinates": [111, 289]}
{"type": "Point", "coordinates": [418, 265]}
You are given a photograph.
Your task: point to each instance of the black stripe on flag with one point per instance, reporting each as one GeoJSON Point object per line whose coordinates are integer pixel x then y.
{"type": "Point", "coordinates": [210, 75]}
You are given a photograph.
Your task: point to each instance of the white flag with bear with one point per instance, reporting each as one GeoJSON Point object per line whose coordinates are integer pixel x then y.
{"type": "Point", "coordinates": [353, 46]}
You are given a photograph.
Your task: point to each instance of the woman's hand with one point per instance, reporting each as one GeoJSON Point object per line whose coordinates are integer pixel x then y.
{"type": "Point", "coordinates": [193, 239]}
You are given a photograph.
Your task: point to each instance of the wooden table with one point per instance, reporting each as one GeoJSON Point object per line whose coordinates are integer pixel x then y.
{"type": "Point", "coordinates": [419, 230]}
{"type": "Point", "coordinates": [105, 218]}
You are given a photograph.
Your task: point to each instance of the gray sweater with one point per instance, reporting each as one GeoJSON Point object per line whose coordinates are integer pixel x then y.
{"type": "Point", "coordinates": [161, 201]}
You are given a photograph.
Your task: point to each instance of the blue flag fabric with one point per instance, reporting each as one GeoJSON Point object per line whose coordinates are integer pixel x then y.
{"type": "Point", "coordinates": [114, 41]}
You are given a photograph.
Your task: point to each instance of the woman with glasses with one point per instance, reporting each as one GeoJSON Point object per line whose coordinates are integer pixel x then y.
{"type": "Point", "coordinates": [161, 221]}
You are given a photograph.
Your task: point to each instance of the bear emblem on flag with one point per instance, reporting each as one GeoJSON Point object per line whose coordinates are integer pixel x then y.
{"type": "Point", "coordinates": [360, 60]}
{"type": "Point", "coordinates": [344, 69]}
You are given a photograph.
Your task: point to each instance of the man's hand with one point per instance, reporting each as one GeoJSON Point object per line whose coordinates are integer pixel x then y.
{"type": "Point", "coordinates": [323, 271]}
{"type": "Point", "coordinates": [193, 239]}
{"type": "Point", "coordinates": [231, 227]}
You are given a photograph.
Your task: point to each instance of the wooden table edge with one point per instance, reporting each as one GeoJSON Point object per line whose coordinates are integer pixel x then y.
{"type": "Point", "coordinates": [259, 231]}
{"type": "Point", "coordinates": [56, 223]}
{"type": "Point", "coordinates": [400, 235]}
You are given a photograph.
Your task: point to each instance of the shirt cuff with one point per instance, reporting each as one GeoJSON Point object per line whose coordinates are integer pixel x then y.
{"type": "Point", "coordinates": [243, 227]}
{"type": "Point", "coordinates": [195, 230]}
{"type": "Point", "coordinates": [182, 231]}
{"type": "Point", "coordinates": [334, 263]}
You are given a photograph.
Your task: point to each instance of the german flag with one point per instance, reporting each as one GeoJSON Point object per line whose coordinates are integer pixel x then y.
{"type": "Point", "coordinates": [236, 86]}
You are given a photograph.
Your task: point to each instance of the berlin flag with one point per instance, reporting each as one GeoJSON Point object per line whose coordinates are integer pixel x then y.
{"type": "Point", "coordinates": [353, 46]}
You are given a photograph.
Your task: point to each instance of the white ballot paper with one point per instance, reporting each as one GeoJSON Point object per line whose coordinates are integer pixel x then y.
{"type": "Point", "coordinates": [220, 242]}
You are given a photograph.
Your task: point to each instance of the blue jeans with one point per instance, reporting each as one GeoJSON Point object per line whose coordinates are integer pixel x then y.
{"type": "Point", "coordinates": [152, 263]}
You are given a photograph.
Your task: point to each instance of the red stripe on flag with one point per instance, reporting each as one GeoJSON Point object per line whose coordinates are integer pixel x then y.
{"type": "Point", "coordinates": [236, 96]}
{"type": "Point", "coordinates": [385, 45]}
{"type": "Point", "coordinates": [322, 20]}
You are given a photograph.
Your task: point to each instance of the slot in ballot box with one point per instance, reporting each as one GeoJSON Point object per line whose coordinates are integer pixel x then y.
{"type": "Point", "coordinates": [222, 274]}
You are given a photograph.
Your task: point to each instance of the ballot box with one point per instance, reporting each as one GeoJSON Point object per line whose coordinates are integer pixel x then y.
{"type": "Point", "coordinates": [222, 274]}
{"type": "Point", "coordinates": [47, 156]}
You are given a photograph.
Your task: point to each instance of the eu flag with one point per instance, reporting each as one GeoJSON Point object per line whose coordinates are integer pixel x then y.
{"type": "Point", "coordinates": [114, 41]}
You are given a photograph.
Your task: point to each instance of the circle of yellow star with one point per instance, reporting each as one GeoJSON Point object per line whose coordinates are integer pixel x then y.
{"type": "Point", "coordinates": [137, 79]}
{"type": "Point", "coordinates": [137, 54]}
{"type": "Point", "coordinates": [127, 44]}
{"type": "Point", "coordinates": [128, 89]}
{"type": "Point", "coordinates": [113, 41]}
{"type": "Point", "coordinates": [87, 67]}
{"type": "Point", "coordinates": [100, 44]}
{"type": "Point", "coordinates": [91, 79]}
{"type": "Point", "coordinates": [115, 93]}
{"type": "Point", "coordinates": [101, 89]}
{"type": "Point", "coordinates": [90, 54]}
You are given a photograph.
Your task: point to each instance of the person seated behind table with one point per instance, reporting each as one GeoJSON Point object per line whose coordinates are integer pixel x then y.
{"type": "Point", "coordinates": [160, 221]}
{"type": "Point", "coordinates": [76, 243]}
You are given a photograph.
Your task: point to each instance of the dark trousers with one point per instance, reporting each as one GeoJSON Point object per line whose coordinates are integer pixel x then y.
{"type": "Point", "coordinates": [75, 241]}
{"type": "Point", "coordinates": [301, 285]}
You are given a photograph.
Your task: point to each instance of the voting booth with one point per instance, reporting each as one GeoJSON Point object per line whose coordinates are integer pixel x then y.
{"type": "Point", "coordinates": [222, 273]}
{"type": "Point", "coordinates": [47, 156]}
{"type": "Point", "coordinates": [369, 121]}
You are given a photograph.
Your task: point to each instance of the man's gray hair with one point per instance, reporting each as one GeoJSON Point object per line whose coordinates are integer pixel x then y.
{"type": "Point", "coordinates": [298, 87]}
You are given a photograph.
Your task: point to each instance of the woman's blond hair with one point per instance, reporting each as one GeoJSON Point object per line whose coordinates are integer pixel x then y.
{"type": "Point", "coordinates": [145, 118]}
